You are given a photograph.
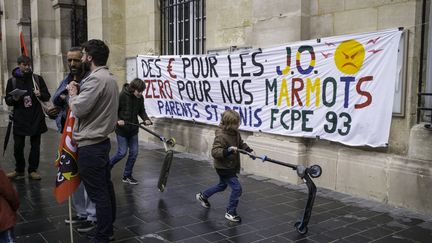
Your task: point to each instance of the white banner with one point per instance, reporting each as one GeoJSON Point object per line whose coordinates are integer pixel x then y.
{"type": "Point", "coordinates": [337, 88]}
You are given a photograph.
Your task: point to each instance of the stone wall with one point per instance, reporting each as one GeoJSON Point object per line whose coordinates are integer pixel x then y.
{"type": "Point", "coordinates": [385, 174]}
{"type": "Point", "coordinates": [398, 175]}
{"type": "Point", "coordinates": [142, 20]}
{"type": "Point", "coordinates": [106, 21]}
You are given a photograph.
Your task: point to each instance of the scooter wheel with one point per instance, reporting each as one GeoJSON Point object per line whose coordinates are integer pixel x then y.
{"type": "Point", "coordinates": [300, 230]}
{"type": "Point", "coordinates": [315, 171]}
{"type": "Point", "coordinates": [171, 142]}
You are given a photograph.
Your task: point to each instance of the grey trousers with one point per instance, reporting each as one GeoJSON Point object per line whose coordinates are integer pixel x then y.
{"type": "Point", "coordinates": [84, 207]}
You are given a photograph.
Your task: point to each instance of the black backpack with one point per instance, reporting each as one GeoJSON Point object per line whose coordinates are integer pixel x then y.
{"type": "Point", "coordinates": [35, 77]}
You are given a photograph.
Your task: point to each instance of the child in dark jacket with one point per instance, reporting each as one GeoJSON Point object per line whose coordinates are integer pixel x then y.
{"type": "Point", "coordinates": [9, 203]}
{"type": "Point", "coordinates": [131, 105]}
{"type": "Point", "coordinates": [226, 163]}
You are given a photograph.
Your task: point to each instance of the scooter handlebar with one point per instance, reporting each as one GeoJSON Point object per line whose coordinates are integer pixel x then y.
{"type": "Point", "coordinates": [171, 142]}
{"type": "Point", "coordinates": [253, 156]}
{"type": "Point", "coordinates": [314, 171]}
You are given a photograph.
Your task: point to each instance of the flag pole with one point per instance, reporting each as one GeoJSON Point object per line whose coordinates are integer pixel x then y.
{"type": "Point", "coordinates": [70, 219]}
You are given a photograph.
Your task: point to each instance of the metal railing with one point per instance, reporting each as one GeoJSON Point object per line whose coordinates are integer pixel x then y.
{"type": "Point", "coordinates": [421, 109]}
{"type": "Point", "coordinates": [182, 27]}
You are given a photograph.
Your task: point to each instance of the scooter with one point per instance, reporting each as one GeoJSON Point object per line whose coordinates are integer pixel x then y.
{"type": "Point", "coordinates": [305, 173]}
{"type": "Point", "coordinates": [168, 145]}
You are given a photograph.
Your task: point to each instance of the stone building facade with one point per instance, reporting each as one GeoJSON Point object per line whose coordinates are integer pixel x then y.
{"type": "Point", "coordinates": [400, 174]}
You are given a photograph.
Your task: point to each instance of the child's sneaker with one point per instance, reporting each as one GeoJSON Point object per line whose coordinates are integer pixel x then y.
{"type": "Point", "coordinates": [232, 217]}
{"type": "Point", "coordinates": [204, 202]}
{"type": "Point", "coordinates": [130, 180]}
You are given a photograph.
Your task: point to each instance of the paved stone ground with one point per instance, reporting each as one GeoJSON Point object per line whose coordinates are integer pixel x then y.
{"type": "Point", "coordinates": [268, 208]}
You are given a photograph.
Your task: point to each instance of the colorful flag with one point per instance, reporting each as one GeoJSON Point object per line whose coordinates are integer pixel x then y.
{"type": "Point", "coordinates": [24, 50]}
{"type": "Point", "coordinates": [67, 180]}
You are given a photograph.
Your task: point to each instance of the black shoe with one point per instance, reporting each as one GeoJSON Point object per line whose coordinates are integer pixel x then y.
{"type": "Point", "coordinates": [94, 240]}
{"type": "Point", "coordinates": [204, 202]}
{"type": "Point", "coordinates": [130, 180]}
{"type": "Point", "coordinates": [92, 235]}
{"type": "Point", "coordinates": [86, 226]}
{"type": "Point", "coordinates": [75, 220]}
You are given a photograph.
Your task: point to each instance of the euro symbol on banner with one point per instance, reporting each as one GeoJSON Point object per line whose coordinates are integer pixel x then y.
{"type": "Point", "coordinates": [169, 68]}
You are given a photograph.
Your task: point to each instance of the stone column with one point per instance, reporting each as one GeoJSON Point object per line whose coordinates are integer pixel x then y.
{"type": "Point", "coordinates": [45, 42]}
{"type": "Point", "coordinates": [9, 41]}
{"type": "Point", "coordinates": [106, 21]}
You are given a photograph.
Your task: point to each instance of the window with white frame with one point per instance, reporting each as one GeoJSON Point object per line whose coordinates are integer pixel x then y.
{"type": "Point", "coordinates": [182, 27]}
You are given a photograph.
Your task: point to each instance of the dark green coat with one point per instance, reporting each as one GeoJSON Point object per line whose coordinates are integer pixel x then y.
{"type": "Point", "coordinates": [130, 107]}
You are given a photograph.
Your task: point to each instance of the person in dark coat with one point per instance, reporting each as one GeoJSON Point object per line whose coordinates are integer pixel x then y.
{"type": "Point", "coordinates": [28, 116]}
{"type": "Point", "coordinates": [9, 203]}
{"type": "Point", "coordinates": [131, 105]}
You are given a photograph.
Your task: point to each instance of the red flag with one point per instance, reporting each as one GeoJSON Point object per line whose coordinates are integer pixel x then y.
{"type": "Point", "coordinates": [67, 180]}
{"type": "Point", "coordinates": [24, 50]}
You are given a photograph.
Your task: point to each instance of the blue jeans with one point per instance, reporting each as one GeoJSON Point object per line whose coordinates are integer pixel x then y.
{"type": "Point", "coordinates": [236, 191]}
{"type": "Point", "coordinates": [123, 144]}
{"type": "Point", "coordinates": [7, 236]}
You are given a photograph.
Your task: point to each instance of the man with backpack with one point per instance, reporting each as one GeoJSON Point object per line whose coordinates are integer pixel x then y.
{"type": "Point", "coordinates": [24, 91]}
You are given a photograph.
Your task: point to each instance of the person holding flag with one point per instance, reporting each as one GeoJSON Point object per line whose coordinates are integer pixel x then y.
{"type": "Point", "coordinates": [94, 104]}
{"type": "Point", "coordinates": [84, 207]}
